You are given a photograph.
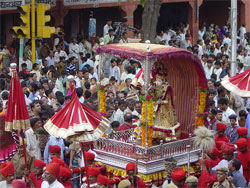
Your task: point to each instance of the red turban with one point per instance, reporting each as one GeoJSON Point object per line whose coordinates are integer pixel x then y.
{"type": "Point", "coordinates": [59, 161]}
{"type": "Point", "coordinates": [18, 183]}
{"type": "Point", "coordinates": [221, 126]}
{"type": "Point", "coordinates": [130, 166]}
{"type": "Point", "coordinates": [241, 143]}
{"type": "Point", "coordinates": [7, 169]}
{"type": "Point", "coordinates": [208, 163]}
{"type": "Point", "coordinates": [178, 174]}
{"type": "Point", "coordinates": [53, 168]}
{"type": "Point", "coordinates": [93, 171]}
{"type": "Point", "coordinates": [219, 144]}
{"type": "Point", "coordinates": [242, 131]}
{"type": "Point", "coordinates": [54, 149]}
{"type": "Point", "coordinates": [228, 148]}
{"type": "Point", "coordinates": [103, 180]}
{"type": "Point", "coordinates": [39, 163]}
{"type": "Point", "coordinates": [215, 151]}
{"type": "Point", "coordinates": [89, 156]}
{"type": "Point", "coordinates": [65, 172]}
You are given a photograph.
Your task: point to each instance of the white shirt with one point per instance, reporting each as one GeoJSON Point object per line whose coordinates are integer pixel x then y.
{"type": "Point", "coordinates": [51, 61]}
{"type": "Point", "coordinates": [217, 72]}
{"type": "Point", "coordinates": [3, 184]}
{"type": "Point", "coordinates": [208, 72]}
{"type": "Point", "coordinates": [74, 50]}
{"type": "Point", "coordinates": [57, 55]}
{"type": "Point", "coordinates": [32, 144]}
{"type": "Point", "coordinates": [227, 40]}
{"type": "Point", "coordinates": [115, 71]}
{"type": "Point", "coordinates": [225, 163]}
{"type": "Point", "coordinates": [106, 29]}
{"type": "Point", "coordinates": [29, 64]}
{"type": "Point", "coordinates": [226, 114]}
{"type": "Point", "coordinates": [78, 82]}
{"type": "Point", "coordinates": [119, 116]}
{"type": "Point", "coordinates": [90, 62]}
{"type": "Point", "coordinates": [55, 184]}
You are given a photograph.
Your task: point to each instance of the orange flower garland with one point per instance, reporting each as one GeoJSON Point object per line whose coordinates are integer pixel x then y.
{"type": "Point", "coordinates": [150, 119]}
{"type": "Point", "coordinates": [102, 98]}
{"type": "Point", "coordinates": [201, 107]}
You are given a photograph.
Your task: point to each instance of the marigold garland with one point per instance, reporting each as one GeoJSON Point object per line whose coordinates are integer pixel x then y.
{"type": "Point", "coordinates": [150, 118]}
{"type": "Point", "coordinates": [102, 98]}
{"type": "Point", "coordinates": [201, 107]}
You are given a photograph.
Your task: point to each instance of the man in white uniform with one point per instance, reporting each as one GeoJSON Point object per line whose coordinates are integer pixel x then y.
{"type": "Point", "coordinates": [50, 175]}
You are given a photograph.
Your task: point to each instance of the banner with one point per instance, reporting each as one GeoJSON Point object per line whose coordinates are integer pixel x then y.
{"type": "Point", "coordinates": [92, 27]}
{"type": "Point", "coordinates": [13, 4]}
{"type": "Point", "coordinates": [81, 2]}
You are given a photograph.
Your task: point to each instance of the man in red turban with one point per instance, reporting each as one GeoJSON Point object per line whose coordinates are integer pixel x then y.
{"type": "Point", "coordinates": [18, 183]}
{"type": "Point", "coordinates": [207, 178]}
{"type": "Point", "coordinates": [178, 177]}
{"type": "Point", "coordinates": [51, 175]}
{"type": "Point", "coordinates": [65, 174]}
{"type": "Point", "coordinates": [214, 156]}
{"type": "Point", "coordinates": [244, 156]}
{"type": "Point", "coordinates": [132, 177]}
{"type": "Point", "coordinates": [221, 136]}
{"type": "Point", "coordinates": [36, 177]}
{"type": "Point", "coordinates": [242, 132]}
{"type": "Point", "coordinates": [54, 150]}
{"type": "Point", "coordinates": [92, 173]}
{"type": "Point", "coordinates": [7, 171]}
{"type": "Point", "coordinates": [227, 153]}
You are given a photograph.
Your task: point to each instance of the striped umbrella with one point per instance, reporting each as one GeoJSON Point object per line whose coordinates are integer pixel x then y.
{"type": "Point", "coordinates": [238, 84]}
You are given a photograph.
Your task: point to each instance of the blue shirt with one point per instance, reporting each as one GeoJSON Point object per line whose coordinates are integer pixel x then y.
{"type": "Point", "coordinates": [83, 65]}
{"type": "Point", "coordinates": [33, 96]}
{"type": "Point", "coordinates": [238, 179]}
{"type": "Point", "coordinates": [248, 125]}
{"type": "Point", "coordinates": [53, 141]}
{"type": "Point", "coordinates": [235, 135]}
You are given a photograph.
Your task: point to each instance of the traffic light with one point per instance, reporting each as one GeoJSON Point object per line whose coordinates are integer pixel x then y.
{"type": "Point", "coordinates": [42, 30]}
{"type": "Point", "coordinates": [23, 30]}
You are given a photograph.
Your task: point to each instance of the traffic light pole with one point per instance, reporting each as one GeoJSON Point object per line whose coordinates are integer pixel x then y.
{"type": "Point", "coordinates": [21, 41]}
{"type": "Point", "coordinates": [33, 30]}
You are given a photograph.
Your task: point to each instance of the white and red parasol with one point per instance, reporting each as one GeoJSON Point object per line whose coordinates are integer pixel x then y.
{"type": "Point", "coordinates": [17, 117]}
{"type": "Point", "coordinates": [77, 122]}
{"type": "Point", "coordinates": [238, 84]}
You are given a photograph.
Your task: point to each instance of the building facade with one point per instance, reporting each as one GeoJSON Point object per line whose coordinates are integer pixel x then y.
{"type": "Point", "coordinates": [74, 15]}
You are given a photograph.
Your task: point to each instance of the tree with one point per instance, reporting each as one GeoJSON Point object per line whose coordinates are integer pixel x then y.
{"type": "Point", "coordinates": [150, 16]}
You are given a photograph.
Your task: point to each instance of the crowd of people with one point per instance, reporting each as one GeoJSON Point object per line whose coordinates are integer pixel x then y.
{"type": "Point", "coordinates": [47, 90]}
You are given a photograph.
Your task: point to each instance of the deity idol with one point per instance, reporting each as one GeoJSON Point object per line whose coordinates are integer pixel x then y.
{"type": "Point", "coordinates": [165, 121]}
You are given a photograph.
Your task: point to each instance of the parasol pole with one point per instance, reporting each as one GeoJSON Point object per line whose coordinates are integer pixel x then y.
{"type": "Point", "coordinates": [99, 71]}
{"type": "Point", "coordinates": [85, 164]}
{"type": "Point", "coordinates": [147, 77]}
{"type": "Point", "coordinates": [24, 150]}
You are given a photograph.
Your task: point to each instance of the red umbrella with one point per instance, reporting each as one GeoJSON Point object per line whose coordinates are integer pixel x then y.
{"type": "Point", "coordinates": [77, 122]}
{"type": "Point", "coordinates": [238, 84]}
{"type": "Point", "coordinates": [17, 117]}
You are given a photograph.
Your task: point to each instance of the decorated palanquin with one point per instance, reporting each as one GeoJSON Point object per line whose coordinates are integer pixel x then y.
{"type": "Point", "coordinates": [173, 94]}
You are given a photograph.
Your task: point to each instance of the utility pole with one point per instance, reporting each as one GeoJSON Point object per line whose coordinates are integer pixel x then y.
{"type": "Point", "coordinates": [233, 36]}
{"type": "Point", "coordinates": [21, 42]}
{"type": "Point", "coordinates": [33, 30]}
